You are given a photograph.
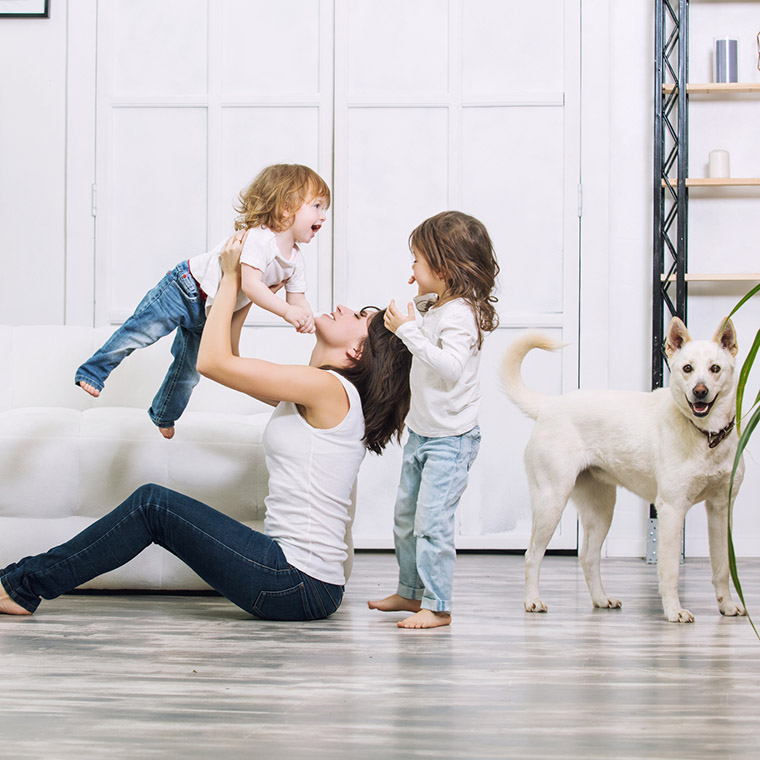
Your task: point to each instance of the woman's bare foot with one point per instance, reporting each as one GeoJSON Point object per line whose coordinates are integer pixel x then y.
{"type": "Point", "coordinates": [425, 619]}
{"type": "Point", "coordinates": [167, 432]}
{"type": "Point", "coordinates": [9, 607]}
{"type": "Point", "coordinates": [89, 388]}
{"type": "Point", "coordinates": [395, 603]}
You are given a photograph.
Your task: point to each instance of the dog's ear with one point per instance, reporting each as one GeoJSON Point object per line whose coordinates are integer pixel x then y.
{"type": "Point", "coordinates": [725, 335]}
{"type": "Point", "coordinates": [677, 336]}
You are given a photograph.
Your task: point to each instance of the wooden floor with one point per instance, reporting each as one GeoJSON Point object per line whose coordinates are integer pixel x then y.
{"type": "Point", "coordinates": [193, 677]}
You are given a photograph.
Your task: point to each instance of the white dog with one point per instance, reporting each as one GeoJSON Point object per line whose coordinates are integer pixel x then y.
{"type": "Point", "coordinates": [672, 447]}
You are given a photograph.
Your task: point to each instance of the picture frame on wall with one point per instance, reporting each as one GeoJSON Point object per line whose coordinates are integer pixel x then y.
{"type": "Point", "coordinates": [24, 9]}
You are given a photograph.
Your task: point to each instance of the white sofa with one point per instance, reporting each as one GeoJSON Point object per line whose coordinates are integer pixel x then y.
{"type": "Point", "coordinates": [66, 458]}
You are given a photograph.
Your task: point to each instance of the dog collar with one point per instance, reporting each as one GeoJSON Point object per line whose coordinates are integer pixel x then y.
{"type": "Point", "coordinates": [713, 439]}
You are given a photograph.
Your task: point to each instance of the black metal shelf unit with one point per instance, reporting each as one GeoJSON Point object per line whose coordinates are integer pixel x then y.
{"type": "Point", "coordinates": [671, 149]}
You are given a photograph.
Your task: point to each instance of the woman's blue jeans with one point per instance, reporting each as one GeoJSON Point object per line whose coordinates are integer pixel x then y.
{"type": "Point", "coordinates": [434, 476]}
{"type": "Point", "coordinates": [246, 566]}
{"type": "Point", "coordinates": [176, 303]}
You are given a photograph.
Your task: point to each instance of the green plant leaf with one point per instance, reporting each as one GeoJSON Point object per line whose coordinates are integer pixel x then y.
{"type": "Point", "coordinates": [743, 376]}
{"type": "Point", "coordinates": [744, 437]}
{"type": "Point", "coordinates": [744, 300]}
{"type": "Point", "coordinates": [743, 441]}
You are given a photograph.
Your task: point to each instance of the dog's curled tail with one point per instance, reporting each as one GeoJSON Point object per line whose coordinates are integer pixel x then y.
{"type": "Point", "coordinates": [528, 401]}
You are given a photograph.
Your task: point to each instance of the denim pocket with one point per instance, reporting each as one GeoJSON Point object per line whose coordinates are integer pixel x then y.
{"type": "Point", "coordinates": [187, 283]}
{"type": "Point", "coordinates": [474, 446]}
{"type": "Point", "coordinates": [288, 604]}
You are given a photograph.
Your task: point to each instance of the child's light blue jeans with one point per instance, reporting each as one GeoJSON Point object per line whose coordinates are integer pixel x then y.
{"type": "Point", "coordinates": [175, 303]}
{"type": "Point", "coordinates": [433, 478]}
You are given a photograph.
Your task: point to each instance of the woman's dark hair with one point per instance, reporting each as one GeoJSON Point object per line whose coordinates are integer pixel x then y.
{"type": "Point", "coordinates": [381, 375]}
{"type": "Point", "coordinates": [457, 248]}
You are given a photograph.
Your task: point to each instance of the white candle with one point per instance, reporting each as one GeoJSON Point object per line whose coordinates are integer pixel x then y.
{"type": "Point", "coordinates": [718, 164]}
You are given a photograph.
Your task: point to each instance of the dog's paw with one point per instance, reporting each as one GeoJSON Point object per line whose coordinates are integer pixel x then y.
{"type": "Point", "coordinates": [535, 605]}
{"type": "Point", "coordinates": [730, 608]}
{"type": "Point", "coordinates": [607, 603]}
{"type": "Point", "coordinates": [680, 616]}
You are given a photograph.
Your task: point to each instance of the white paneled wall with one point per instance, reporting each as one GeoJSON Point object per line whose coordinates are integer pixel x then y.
{"type": "Point", "coordinates": [471, 104]}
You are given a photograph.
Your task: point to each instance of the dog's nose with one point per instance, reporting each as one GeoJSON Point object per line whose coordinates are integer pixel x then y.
{"type": "Point", "coordinates": [700, 391]}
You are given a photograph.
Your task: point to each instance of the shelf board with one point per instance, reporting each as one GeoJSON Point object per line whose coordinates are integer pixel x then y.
{"type": "Point", "coordinates": [714, 88]}
{"type": "Point", "coordinates": [715, 181]}
{"type": "Point", "coordinates": [693, 277]}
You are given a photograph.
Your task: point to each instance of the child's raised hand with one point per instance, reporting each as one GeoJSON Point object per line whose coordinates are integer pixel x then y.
{"type": "Point", "coordinates": [300, 319]}
{"type": "Point", "coordinates": [394, 318]}
{"type": "Point", "coordinates": [229, 257]}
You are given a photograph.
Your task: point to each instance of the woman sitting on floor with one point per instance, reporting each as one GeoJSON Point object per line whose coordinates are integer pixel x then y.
{"type": "Point", "coordinates": [352, 396]}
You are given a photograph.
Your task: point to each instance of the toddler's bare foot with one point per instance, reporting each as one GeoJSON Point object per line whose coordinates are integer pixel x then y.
{"type": "Point", "coordinates": [9, 607]}
{"type": "Point", "coordinates": [89, 388]}
{"type": "Point", "coordinates": [395, 603]}
{"type": "Point", "coordinates": [167, 432]}
{"type": "Point", "coordinates": [425, 619]}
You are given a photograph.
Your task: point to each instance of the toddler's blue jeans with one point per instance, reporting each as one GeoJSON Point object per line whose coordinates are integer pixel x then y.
{"type": "Point", "coordinates": [176, 303]}
{"type": "Point", "coordinates": [246, 566]}
{"type": "Point", "coordinates": [433, 478]}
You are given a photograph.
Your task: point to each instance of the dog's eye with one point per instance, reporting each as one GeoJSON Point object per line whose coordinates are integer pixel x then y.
{"type": "Point", "coordinates": [715, 369]}
{"type": "Point", "coordinates": [687, 368]}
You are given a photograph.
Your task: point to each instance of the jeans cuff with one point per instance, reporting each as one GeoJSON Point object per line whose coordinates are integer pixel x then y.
{"type": "Point", "coordinates": [81, 377]}
{"type": "Point", "coordinates": [9, 590]}
{"type": "Point", "coordinates": [408, 592]}
{"type": "Point", "coordinates": [436, 605]}
{"type": "Point", "coordinates": [159, 422]}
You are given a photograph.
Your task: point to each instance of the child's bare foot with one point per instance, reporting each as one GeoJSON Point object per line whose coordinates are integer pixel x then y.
{"type": "Point", "coordinates": [425, 619]}
{"type": "Point", "coordinates": [167, 432]}
{"type": "Point", "coordinates": [9, 607]}
{"type": "Point", "coordinates": [395, 603]}
{"type": "Point", "coordinates": [89, 388]}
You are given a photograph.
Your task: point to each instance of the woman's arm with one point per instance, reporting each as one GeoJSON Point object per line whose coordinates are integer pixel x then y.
{"type": "Point", "coordinates": [320, 395]}
{"type": "Point", "coordinates": [238, 320]}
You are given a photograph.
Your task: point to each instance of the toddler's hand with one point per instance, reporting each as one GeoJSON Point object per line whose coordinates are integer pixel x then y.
{"type": "Point", "coordinates": [300, 319]}
{"type": "Point", "coordinates": [309, 327]}
{"type": "Point", "coordinates": [394, 318]}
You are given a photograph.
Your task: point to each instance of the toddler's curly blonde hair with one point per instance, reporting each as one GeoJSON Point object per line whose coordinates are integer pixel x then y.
{"type": "Point", "coordinates": [278, 191]}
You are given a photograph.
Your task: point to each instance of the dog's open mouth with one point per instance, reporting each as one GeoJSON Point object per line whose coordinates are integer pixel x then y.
{"type": "Point", "coordinates": [701, 408]}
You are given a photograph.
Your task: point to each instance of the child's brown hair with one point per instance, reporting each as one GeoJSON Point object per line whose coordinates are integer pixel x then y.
{"type": "Point", "coordinates": [275, 195]}
{"type": "Point", "coordinates": [458, 249]}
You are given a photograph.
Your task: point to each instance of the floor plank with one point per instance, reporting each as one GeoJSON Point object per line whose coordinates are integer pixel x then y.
{"type": "Point", "coordinates": [178, 676]}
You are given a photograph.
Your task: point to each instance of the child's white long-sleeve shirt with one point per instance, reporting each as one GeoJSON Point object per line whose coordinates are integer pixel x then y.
{"type": "Point", "coordinates": [444, 377]}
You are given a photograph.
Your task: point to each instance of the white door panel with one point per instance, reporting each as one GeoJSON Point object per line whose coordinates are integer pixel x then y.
{"type": "Point", "coordinates": [395, 49]}
{"type": "Point", "coordinates": [514, 46]}
{"type": "Point", "coordinates": [154, 222]}
{"type": "Point", "coordinates": [156, 49]}
{"type": "Point", "coordinates": [513, 180]}
{"type": "Point", "coordinates": [396, 175]}
{"type": "Point", "coordinates": [270, 48]}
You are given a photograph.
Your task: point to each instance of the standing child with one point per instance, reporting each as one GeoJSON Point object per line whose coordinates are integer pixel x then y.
{"type": "Point", "coordinates": [455, 268]}
{"type": "Point", "coordinates": [284, 206]}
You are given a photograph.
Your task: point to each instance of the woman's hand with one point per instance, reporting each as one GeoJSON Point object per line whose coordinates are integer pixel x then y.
{"type": "Point", "coordinates": [229, 257]}
{"type": "Point", "coordinates": [394, 318]}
